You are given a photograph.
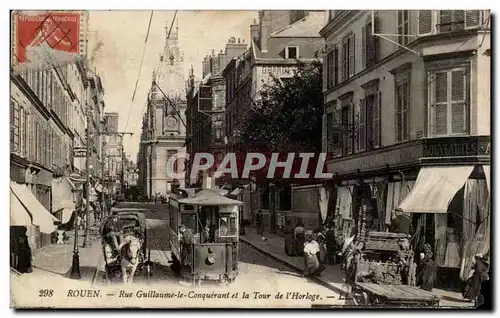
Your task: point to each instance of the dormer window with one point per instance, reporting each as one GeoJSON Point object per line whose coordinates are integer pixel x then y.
{"type": "Point", "coordinates": [292, 52]}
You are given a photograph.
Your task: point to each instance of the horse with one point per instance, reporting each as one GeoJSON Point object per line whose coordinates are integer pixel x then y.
{"type": "Point", "coordinates": [130, 250]}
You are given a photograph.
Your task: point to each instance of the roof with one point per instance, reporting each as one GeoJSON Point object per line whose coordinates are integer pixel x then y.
{"type": "Point", "coordinates": [307, 27]}
{"type": "Point", "coordinates": [209, 197]}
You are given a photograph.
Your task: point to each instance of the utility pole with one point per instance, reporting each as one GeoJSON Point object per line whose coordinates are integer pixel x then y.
{"type": "Point", "coordinates": [103, 155]}
{"type": "Point", "coordinates": [86, 241]}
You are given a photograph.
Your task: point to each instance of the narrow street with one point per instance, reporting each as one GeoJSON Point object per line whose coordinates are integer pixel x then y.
{"type": "Point", "coordinates": [257, 270]}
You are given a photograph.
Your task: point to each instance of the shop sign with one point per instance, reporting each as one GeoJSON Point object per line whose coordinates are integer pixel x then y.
{"type": "Point", "coordinates": [457, 146]}
{"type": "Point", "coordinates": [79, 152]}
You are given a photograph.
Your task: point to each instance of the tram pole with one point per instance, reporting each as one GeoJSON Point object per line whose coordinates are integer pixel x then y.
{"type": "Point", "coordinates": [86, 240]}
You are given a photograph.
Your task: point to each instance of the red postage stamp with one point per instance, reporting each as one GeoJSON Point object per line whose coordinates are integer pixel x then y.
{"type": "Point", "coordinates": [60, 30]}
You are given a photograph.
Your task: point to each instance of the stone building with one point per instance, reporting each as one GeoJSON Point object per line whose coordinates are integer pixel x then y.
{"type": "Point", "coordinates": [407, 124]}
{"type": "Point", "coordinates": [206, 104]}
{"type": "Point", "coordinates": [164, 123]}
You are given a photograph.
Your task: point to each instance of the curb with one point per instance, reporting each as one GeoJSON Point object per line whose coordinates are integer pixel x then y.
{"type": "Point", "coordinates": [295, 267]}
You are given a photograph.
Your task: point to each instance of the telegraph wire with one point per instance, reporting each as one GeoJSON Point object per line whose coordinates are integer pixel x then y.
{"type": "Point", "coordinates": [140, 68]}
{"type": "Point", "coordinates": [159, 63]}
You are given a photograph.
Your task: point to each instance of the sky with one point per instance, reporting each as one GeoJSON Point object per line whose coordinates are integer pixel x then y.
{"type": "Point", "coordinates": [116, 42]}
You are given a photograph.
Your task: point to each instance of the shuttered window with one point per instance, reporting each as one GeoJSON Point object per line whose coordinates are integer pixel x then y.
{"type": "Point", "coordinates": [336, 130]}
{"type": "Point", "coordinates": [370, 44]}
{"type": "Point", "coordinates": [448, 102]}
{"type": "Point", "coordinates": [330, 62]}
{"type": "Point", "coordinates": [347, 124]}
{"type": "Point", "coordinates": [362, 126]}
{"type": "Point", "coordinates": [424, 22]}
{"type": "Point", "coordinates": [402, 110]}
{"type": "Point", "coordinates": [348, 57]}
{"type": "Point", "coordinates": [451, 20]}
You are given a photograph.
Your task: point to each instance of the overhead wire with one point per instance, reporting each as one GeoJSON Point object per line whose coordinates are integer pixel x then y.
{"type": "Point", "coordinates": [159, 62]}
{"type": "Point", "coordinates": [140, 68]}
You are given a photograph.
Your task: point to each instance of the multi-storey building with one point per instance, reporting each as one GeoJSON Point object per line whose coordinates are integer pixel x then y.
{"type": "Point", "coordinates": [206, 104]}
{"type": "Point", "coordinates": [164, 123]}
{"type": "Point", "coordinates": [278, 42]}
{"type": "Point", "coordinates": [113, 154]}
{"type": "Point", "coordinates": [96, 109]}
{"type": "Point", "coordinates": [407, 123]}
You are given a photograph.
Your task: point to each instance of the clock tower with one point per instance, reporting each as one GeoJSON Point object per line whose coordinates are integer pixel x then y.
{"type": "Point", "coordinates": [167, 114]}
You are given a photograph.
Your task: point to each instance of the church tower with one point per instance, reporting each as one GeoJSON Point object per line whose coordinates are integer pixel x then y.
{"type": "Point", "coordinates": [167, 107]}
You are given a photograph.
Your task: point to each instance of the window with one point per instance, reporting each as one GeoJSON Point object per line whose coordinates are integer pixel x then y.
{"type": "Point", "coordinates": [403, 27]}
{"type": "Point", "coordinates": [347, 125]}
{"type": "Point", "coordinates": [430, 21]}
{"type": "Point", "coordinates": [451, 20]}
{"type": "Point", "coordinates": [402, 109]}
{"type": "Point", "coordinates": [14, 126]}
{"type": "Point", "coordinates": [292, 52]}
{"type": "Point", "coordinates": [348, 57]}
{"type": "Point", "coordinates": [331, 75]}
{"type": "Point", "coordinates": [228, 226]}
{"type": "Point", "coordinates": [370, 45]}
{"type": "Point", "coordinates": [448, 102]}
{"type": "Point", "coordinates": [369, 122]}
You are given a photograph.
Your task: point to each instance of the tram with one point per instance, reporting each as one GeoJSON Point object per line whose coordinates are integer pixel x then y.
{"type": "Point", "coordinates": [204, 236]}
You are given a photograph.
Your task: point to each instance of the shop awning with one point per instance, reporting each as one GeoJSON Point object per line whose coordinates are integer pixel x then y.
{"type": "Point", "coordinates": [487, 175]}
{"type": "Point", "coordinates": [39, 214]}
{"type": "Point", "coordinates": [435, 188]}
{"type": "Point", "coordinates": [19, 216]}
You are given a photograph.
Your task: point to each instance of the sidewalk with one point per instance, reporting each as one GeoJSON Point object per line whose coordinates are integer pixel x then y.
{"type": "Point", "coordinates": [331, 278]}
{"type": "Point", "coordinates": [57, 259]}
{"type": "Point", "coordinates": [275, 248]}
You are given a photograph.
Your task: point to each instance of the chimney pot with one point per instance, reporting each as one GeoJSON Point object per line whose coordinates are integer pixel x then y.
{"type": "Point", "coordinates": [239, 40]}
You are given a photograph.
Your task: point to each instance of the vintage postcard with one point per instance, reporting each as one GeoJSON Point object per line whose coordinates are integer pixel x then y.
{"type": "Point", "coordinates": [250, 159]}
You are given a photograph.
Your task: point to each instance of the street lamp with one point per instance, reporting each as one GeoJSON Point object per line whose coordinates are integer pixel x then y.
{"type": "Point", "coordinates": [75, 264]}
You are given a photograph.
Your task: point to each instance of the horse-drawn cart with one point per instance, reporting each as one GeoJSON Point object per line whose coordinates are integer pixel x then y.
{"type": "Point", "coordinates": [131, 256]}
{"type": "Point", "coordinates": [384, 274]}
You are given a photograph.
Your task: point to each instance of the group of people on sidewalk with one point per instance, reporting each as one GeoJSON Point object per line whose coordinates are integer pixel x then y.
{"type": "Point", "coordinates": [318, 247]}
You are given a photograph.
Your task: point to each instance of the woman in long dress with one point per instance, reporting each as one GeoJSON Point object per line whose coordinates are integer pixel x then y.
{"type": "Point", "coordinates": [288, 234]}
{"type": "Point", "coordinates": [428, 274]}
{"type": "Point", "coordinates": [299, 238]}
{"type": "Point", "coordinates": [311, 251]}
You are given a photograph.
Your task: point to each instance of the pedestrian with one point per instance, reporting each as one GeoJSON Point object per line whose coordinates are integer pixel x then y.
{"type": "Point", "coordinates": [331, 245]}
{"type": "Point", "coordinates": [259, 222]}
{"type": "Point", "coordinates": [472, 290]}
{"type": "Point", "coordinates": [311, 251]}
{"type": "Point", "coordinates": [427, 276]}
{"type": "Point", "coordinates": [23, 252]}
{"type": "Point", "coordinates": [288, 233]}
{"type": "Point", "coordinates": [187, 243]}
{"type": "Point", "coordinates": [299, 236]}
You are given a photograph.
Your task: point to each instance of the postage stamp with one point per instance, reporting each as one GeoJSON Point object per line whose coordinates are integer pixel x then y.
{"type": "Point", "coordinates": [250, 159]}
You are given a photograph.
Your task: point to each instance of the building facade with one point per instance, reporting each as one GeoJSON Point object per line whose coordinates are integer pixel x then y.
{"type": "Point", "coordinates": [407, 96]}
{"type": "Point", "coordinates": [206, 105]}
{"type": "Point", "coordinates": [164, 123]}
{"type": "Point", "coordinates": [113, 154]}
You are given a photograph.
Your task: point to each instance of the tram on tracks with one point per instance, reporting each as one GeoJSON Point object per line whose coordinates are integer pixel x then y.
{"type": "Point", "coordinates": [204, 236]}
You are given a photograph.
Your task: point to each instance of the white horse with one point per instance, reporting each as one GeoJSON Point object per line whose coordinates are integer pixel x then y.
{"type": "Point", "coordinates": [129, 251]}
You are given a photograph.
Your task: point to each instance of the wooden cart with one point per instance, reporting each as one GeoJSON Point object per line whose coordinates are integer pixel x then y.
{"type": "Point", "coordinates": [385, 274]}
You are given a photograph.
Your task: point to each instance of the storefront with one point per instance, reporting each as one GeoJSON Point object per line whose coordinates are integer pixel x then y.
{"type": "Point", "coordinates": [451, 207]}
{"type": "Point", "coordinates": [27, 211]}
{"type": "Point", "coordinates": [371, 187]}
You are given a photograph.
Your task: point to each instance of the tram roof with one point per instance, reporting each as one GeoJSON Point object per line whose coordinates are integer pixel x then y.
{"type": "Point", "coordinates": [209, 197]}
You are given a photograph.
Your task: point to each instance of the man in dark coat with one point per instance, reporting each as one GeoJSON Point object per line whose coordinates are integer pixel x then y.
{"type": "Point", "coordinates": [112, 230]}
{"type": "Point", "coordinates": [259, 222]}
{"type": "Point", "coordinates": [331, 245]}
{"type": "Point", "coordinates": [187, 243]}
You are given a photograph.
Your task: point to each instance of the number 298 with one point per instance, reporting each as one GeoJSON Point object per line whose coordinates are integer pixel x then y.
{"type": "Point", "coordinates": [45, 293]}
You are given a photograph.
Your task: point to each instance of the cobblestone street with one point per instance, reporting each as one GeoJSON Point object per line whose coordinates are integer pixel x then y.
{"type": "Point", "coordinates": [263, 273]}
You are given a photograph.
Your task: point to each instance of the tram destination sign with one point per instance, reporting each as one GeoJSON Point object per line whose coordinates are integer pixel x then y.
{"type": "Point", "coordinates": [457, 146]}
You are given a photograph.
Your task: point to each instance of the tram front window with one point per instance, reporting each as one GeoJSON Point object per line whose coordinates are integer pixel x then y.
{"type": "Point", "coordinates": [227, 226]}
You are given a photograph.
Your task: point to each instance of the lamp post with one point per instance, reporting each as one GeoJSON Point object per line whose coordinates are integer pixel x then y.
{"type": "Point", "coordinates": [75, 265]}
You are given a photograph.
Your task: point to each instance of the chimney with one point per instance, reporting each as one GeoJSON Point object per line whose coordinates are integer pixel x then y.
{"type": "Point", "coordinates": [234, 49]}
{"type": "Point", "coordinates": [264, 35]}
{"type": "Point", "coordinates": [255, 32]}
